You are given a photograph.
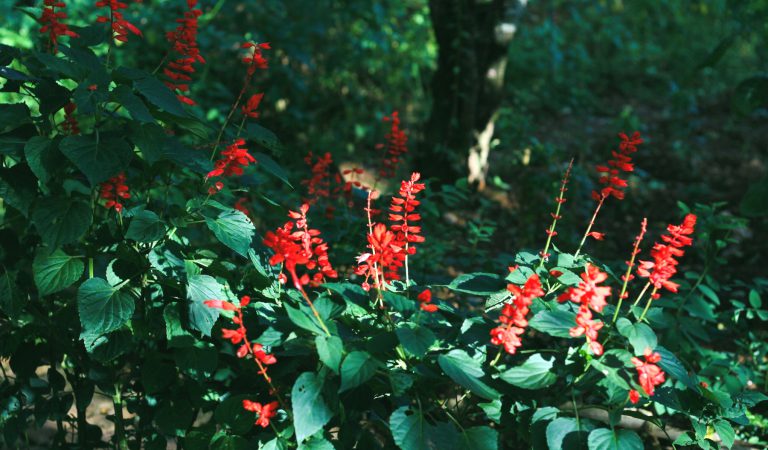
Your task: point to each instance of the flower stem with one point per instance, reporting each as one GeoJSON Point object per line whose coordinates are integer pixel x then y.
{"type": "Point", "coordinates": [560, 200]}
{"type": "Point", "coordinates": [647, 305]}
{"type": "Point", "coordinates": [589, 227]}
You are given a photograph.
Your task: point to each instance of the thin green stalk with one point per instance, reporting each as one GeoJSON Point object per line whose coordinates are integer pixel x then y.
{"type": "Point", "coordinates": [560, 200]}
{"type": "Point", "coordinates": [645, 288]}
{"type": "Point", "coordinates": [647, 305]}
{"type": "Point", "coordinates": [589, 227]}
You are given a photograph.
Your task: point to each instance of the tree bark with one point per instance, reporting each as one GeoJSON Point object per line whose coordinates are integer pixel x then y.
{"type": "Point", "coordinates": [473, 37]}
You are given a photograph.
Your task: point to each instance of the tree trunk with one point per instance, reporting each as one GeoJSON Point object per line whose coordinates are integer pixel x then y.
{"type": "Point", "coordinates": [473, 37]}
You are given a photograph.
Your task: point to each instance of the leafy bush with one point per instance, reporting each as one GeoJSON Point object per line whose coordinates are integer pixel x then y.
{"type": "Point", "coordinates": [133, 271]}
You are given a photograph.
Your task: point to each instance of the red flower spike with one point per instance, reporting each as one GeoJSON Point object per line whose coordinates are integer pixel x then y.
{"type": "Point", "coordinates": [120, 26]}
{"type": "Point", "coordinates": [70, 124]}
{"type": "Point", "coordinates": [396, 147]}
{"type": "Point", "coordinates": [113, 190]}
{"type": "Point", "coordinates": [183, 42]}
{"type": "Point", "coordinates": [255, 60]}
{"type": "Point", "coordinates": [233, 160]}
{"type": "Point", "coordinates": [249, 109]}
{"type": "Point", "coordinates": [621, 162]}
{"type": "Point", "coordinates": [664, 264]}
{"type": "Point", "coordinates": [513, 315]}
{"type": "Point", "coordinates": [590, 297]}
{"type": "Point", "coordinates": [51, 21]}
{"type": "Point", "coordinates": [649, 374]}
{"type": "Point", "coordinates": [319, 185]}
{"type": "Point", "coordinates": [295, 244]}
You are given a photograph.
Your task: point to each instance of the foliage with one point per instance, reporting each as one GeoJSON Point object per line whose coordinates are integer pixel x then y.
{"type": "Point", "coordinates": [133, 269]}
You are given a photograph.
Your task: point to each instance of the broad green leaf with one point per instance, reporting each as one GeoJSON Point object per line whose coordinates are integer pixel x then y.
{"type": "Point", "coordinates": [102, 308]}
{"type": "Point", "coordinates": [159, 95]}
{"type": "Point", "coordinates": [145, 226]}
{"type": "Point", "coordinates": [409, 429]}
{"type": "Point", "coordinates": [60, 220]}
{"type": "Point", "coordinates": [674, 368]}
{"type": "Point", "coordinates": [480, 438]}
{"type": "Point", "coordinates": [55, 272]}
{"type": "Point", "coordinates": [97, 160]}
{"type": "Point", "coordinates": [710, 293]}
{"type": "Point", "coordinates": [535, 373]}
{"type": "Point", "coordinates": [264, 137]}
{"type": "Point", "coordinates": [13, 115]}
{"type": "Point", "coordinates": [231, 415]}
{"type": "Point", "coordinates": [640, 335]}
{"type": "Point", "coordinates": [357, 368]}
{"type": "Point", "coordinates": [726, 432]}
{"type": "Point", "coordinates": [465, 371]}
{"type": "Point", "coordinates": [11, 299]}
{"type": "Point", "coordinates": [477, 283]}
{"type": "Point", "coordinates": [605, 439]}
{"type": "Point", "coordinates": [198, 362]}
{"type": "Point", "coordinates": [310, 412]}
{"type": "Point", "coordinates": [316, 443]}
{"type": "Point", "coordinates": [42, 157]}
{"type": "Point", "coordinates": [555, 323]}
{"type": "Point", "coordinates": [175, 333]}
{"type": "Point", "coordinates": [303, 318]}
{"type": "Point", "coordinates": [559, 429]}
{"type": "Point", "coordinates": [330, 350]}
{"type": "Point", "coordinates": [174, 416]}
{"type": "Point", "coordinates": [416, 339]}
{"type": "Point", "coordinates": [199, 289]}
{"type": "Point", "coordinates": [234, 229]}
{"type": "Point", "coordinates": [133, 104]}
{"type": "Point", "coordinates": [273, 168]}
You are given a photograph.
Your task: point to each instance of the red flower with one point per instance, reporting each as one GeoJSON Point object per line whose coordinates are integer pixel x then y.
{"type": "Point", "coordinates": [634, 396]}
{"type": "Point", "coordinates": [425, 301]}
{"type": "Point", "coordinates": [649, 374]}
{"type": "Point", "coordinates": [384, 260]}
{"type": "Point", "coordinates": [265, 412]}
{"type": "Point", "coordinates": [403, 213]}
{"type": "Point", "coordinates": [319, 185]}
{"type": "Point", "coordinates": [513, 315]}
{"type": "Point", "coordinates": [396, 146]}
{"type": "Point", "coordinates": [113, 190]}
{"type": "Point", "coordinates": [249, 109]}
{"type": "Point", "coordinates": [53, 25]}
{"type": "Point", "coordinates": [70, 124]}
{"type": "Point", "coordinates": [597, 236]}
{"type": "Point", "coordinates": [120, 26]}
{"type": "Point", "coordinates": [256, 59]}
{"type": "Point", "coordinates": [241, 205]}
{"type": "Point", "coordinates": [621, 162]}
{"type": "Point", "coordinates": [664, 265]}
{"type": "Point", "coordinates": [184, 43]}
{"type": "Point", "coordinates": [590, 297]}
{"type": "Point", "coordinates": [232, 161]}
{"type": "Point", "coordinates": [239, 335]}
{"type": "Point", "coordinates": [295, 244]}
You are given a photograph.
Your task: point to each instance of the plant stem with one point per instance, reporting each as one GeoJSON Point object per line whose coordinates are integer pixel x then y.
{"type": "Point", "coordinates": [589, 227]}
{"type": "Point", "coordinates": [645, 288]}
{"type": "Point", "coordinates": [647, 305]}
{"type": "Point", "coordinates": [122, 442]}
{"type": "Point", "coordinates": [560, 200]}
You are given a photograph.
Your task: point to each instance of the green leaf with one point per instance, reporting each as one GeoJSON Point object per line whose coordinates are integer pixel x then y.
{"type": "Point", "coordinates": [711, 294]}
{"type": "Point", "coordinates": [198, 362]}
{"type": "Point", "coordinates": [416, 339]}
{"type": "Point", "coordinates": [477, 283]}
{"type": "Point", "coordinates": [60, 220]}
{"type": "Point", "coordinates": [135, 105]}
{"type": "Point", "coordinates": [725, 431]}
{"type": "Point", "coordinates": [231, 415]}
{"type": "Point", "coordinates": [11, 300]}
{"type": "Point", "coordinates": [42, 157]}
{"type": "Point", "coordinates": [13, 115]}
{"type": "Point", "coordinates": [159, 95]}
{"type": "Point", "coordinates": [102, 308]}
{"type": "Point", "coordinates": [330, 350]}
{"type": "Point", "coordinates": [199, 289]}
{"type": "Point", "coordinates": [555, 323]}
{"type": "Point", "coordinates": [316, 443]}
{"type": "Point", "coordinates": [754, 299]}
{"type": "Point", "coordinates": [55, 272]}
{"type": "Point", "coordinates": [145, 226]}
{"type": "Point", "coordinates": [558, 429]}
{"type": "Point", "coordinates": [97, 160]}
{"type": "Point", "coordinates": [310, 412]}
{"type": "Point", "coordinates": [273, 168]}
{"type": "Point", "coordinates": [234, 229]}
{"type": "Point", "coordinates": [357, 368]}
{"type": "Point", "coordinates": [264, 137]}
{"type": "Point", "coordinates": [605, 439]}
{"type": "Point", "coordinates": [481, 438]}
{"type": "Point", "coordinates": [303, 318]}
{"type": "Point", "coordinates": [409, 429]}
{"type": "Point", "coordinates": [465, 371]}
{"type": "Point", "coordinates": [674, 368]}
{"type": "Point", "coordinates": [535, 373]}
{"type": "Point", "coordinates": [640, 335]}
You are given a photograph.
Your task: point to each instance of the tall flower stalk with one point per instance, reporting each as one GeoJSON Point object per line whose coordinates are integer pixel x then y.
{"type": "Point", "coordinates": [559, 200]}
